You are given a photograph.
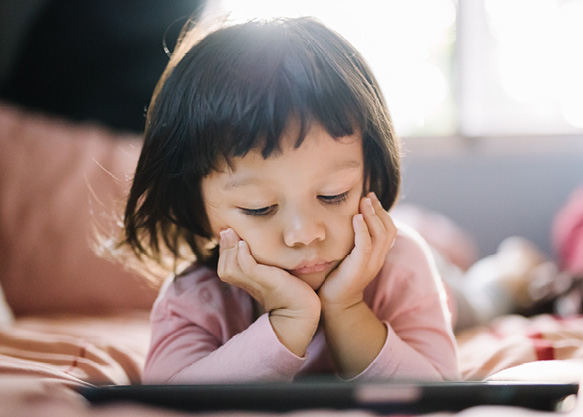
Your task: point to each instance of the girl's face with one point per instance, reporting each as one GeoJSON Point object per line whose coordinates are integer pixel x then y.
{"type": "Point", "coordinates": [295, 208]}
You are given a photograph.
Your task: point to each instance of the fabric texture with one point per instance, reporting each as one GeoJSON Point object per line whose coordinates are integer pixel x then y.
{"type": "Point", "coordinates": [76, 350]}
{"type": "Point", "coordinates": [204, 330]}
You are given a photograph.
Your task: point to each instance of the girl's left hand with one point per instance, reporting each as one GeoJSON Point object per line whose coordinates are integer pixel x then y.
{"type": "Point", "coordinates": [374, 234]}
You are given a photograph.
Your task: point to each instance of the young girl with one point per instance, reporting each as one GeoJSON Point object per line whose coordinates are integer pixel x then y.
{"type": "Point", "coordinates": [268, 162]}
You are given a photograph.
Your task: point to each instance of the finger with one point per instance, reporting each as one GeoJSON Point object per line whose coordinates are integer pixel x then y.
{"type": "Point", "coordinates": [227, 267]}
{"type": "Point", "coordinates": [226, 240]}
{"type": "Point", "coordinates": [246, 261]}
{"type": "Point", "coordinates": [238, 267]}
{"type": "Point", "coordinates": [249, 267]}
{"type": "Point", "coordinates": [259, 274]}
{"type": "Point", "coordinates": [222, 242]}
{"type": "Point", "coordinates": [374, 222]}
{"type": "Point", "coordinates": [262, 281]}
{"type": "Point", "coordinates": [380, 211]}
{"type": "Point", "coordinates": [362, 238]}
{"type": "Point", "coordinates": [390, 230]}
{"type": "Point", "coordinates": [232, 238]}
{"type": "Point", "coordinates": [381, 228]}
{"type": "Point", "coordinates": [355, 263]}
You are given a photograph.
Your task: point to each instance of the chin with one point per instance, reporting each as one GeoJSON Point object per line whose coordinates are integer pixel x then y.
{"type": "Point", "coordinates": [315, 281]}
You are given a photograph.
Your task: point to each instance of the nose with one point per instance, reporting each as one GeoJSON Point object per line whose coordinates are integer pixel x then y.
{"type": "Point", "coordinates": [302, 228]}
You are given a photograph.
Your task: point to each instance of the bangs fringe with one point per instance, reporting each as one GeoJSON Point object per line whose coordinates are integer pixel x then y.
{"type": "Point", "coordinates": [264, 76]}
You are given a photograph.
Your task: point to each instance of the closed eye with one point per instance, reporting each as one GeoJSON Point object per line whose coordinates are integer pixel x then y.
{"type": "Point", "coordinates": [334, 199]}
{"type": "Point", "coordinates": [264, 211]}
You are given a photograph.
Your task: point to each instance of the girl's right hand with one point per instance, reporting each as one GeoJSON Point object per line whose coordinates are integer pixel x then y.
{"type": "Point", "coordinates": [293, 306]}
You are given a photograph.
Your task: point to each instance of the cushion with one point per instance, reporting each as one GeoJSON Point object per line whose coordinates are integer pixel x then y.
{"type": "Point", "coordinates": [59, 182]}
{"type": "Point", "coordinates": [567, 233]}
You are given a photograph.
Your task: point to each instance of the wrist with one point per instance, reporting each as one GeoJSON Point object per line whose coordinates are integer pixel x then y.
{"type": "Point", "coordinates": [334, 306]}
{"type": "Point", "coordinates": [295, 328]}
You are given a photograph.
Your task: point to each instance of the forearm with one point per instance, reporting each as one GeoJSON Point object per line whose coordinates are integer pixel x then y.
{"type": "Point", "coordinates": [355, 336]}
{"type": "Point", "coordinates": [193, 356]}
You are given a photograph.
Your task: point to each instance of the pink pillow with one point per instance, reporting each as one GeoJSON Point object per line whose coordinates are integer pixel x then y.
{"type": "Point", "coordinates": [448, 238]}
{"type": "Point", "coordinates": [57, 181]}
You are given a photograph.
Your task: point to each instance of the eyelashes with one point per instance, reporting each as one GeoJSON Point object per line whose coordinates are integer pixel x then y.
{"type": "Point", "coordinates": [264, 211]}
{"type": "Point", "coordinates": [334, 199]}
{"type": "Point", "coordinates": [326, 199]}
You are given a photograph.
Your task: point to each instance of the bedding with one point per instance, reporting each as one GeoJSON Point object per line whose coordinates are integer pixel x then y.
{"type": "Point", "coordinates": [77, 350]}
{"type": "Point", "coordinates": [72, 319]}
{"type": "Point", "coordinates": [512, 340]}
{"type": "Point", "coordinates": [49, 356]}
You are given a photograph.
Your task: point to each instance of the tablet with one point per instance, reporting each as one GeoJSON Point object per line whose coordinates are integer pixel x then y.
{"type": "Point", "coordinates": [380, 397]}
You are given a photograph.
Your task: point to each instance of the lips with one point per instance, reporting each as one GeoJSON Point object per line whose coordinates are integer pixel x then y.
{"type": "Point", "coordinates": [311, 268]}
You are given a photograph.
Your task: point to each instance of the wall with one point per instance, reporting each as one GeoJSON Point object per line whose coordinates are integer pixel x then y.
{"type": "Point", "coordinates": [494, 190]}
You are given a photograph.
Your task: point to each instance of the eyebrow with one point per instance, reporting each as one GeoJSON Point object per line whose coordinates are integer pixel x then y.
{"type": "Point", "coordinates": [250, 180]}
{"type": "Point", "coordinates": [240, 182]}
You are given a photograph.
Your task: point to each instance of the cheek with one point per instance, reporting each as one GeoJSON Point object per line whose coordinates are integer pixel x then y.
{"type": "Point", "coordinates": [263, 242]}
{"type": "Point", "coordinates": [344, 235]}
{"type": "Point", "coordinates": [216, 220]}
{"type": "Point", "coordinates": [342, 232]}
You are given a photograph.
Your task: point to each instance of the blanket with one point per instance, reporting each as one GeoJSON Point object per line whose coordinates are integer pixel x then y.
{"type": "Point", "coordinates": [51, 356]}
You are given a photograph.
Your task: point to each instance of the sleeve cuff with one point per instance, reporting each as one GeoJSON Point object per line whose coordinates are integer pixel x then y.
{"type": "Point", "coordinates": [272, 355]}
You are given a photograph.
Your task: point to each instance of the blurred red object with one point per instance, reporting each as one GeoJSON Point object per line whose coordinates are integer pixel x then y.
{"type": "Point", "coordinates": [567, 234]}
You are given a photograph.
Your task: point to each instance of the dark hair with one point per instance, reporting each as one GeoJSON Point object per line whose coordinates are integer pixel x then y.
{"type": "Point", "coordinates": [235, 90]}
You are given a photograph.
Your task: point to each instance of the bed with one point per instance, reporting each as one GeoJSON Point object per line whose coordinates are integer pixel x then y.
{"type": "Point", "coordinates": [69, 318]}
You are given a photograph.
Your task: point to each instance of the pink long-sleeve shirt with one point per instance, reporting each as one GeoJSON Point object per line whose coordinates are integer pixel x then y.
{"type": "Point", "coordinates": [204, 330]}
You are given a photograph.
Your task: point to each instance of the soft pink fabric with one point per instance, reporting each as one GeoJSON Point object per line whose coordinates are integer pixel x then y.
{"type": "Point", "coordinates": [204, 330]}
{"type": "Point", "coordinates": [58, 181]}
{"type": "Point", "coordinates": [74, 350]}
{"type": "Point", "coordinates": [568, 234]}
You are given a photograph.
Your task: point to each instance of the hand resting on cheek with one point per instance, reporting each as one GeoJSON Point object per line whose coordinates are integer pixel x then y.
{"type": "Point", "coordinates": [293, 306]}
{"type": "Point", "coordinates": [374, 234]}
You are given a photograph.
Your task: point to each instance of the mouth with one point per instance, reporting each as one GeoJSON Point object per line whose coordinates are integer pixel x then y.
{"type": "Point", "coordinates": [311, 268]}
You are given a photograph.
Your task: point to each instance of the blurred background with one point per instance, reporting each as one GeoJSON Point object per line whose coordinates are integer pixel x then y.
{"type": "Point", "coordinates": [486, 94]}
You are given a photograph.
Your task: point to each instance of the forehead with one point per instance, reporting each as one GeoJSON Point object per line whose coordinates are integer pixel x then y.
{"type": "Point", "coordinates": [319, 156]}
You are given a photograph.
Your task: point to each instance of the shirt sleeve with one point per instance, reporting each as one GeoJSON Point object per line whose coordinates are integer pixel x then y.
{"type": "Point", "coordinates": [203, 332]}
{"type": "Point", "coordinates": [409, 297]}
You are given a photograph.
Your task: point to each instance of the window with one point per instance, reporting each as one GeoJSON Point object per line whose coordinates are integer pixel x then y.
{"type": "Point", "coordinates": [521, 67]}
{"type": "Point", "coordinates": [467, 67]}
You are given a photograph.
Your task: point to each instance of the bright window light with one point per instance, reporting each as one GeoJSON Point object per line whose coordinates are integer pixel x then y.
{"type": "Point", "coordinates": [468, 67]}
{"type": "Point", "coordinates": [522, 67]}
{"type": "Point", "coordinates": [407, 43]}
